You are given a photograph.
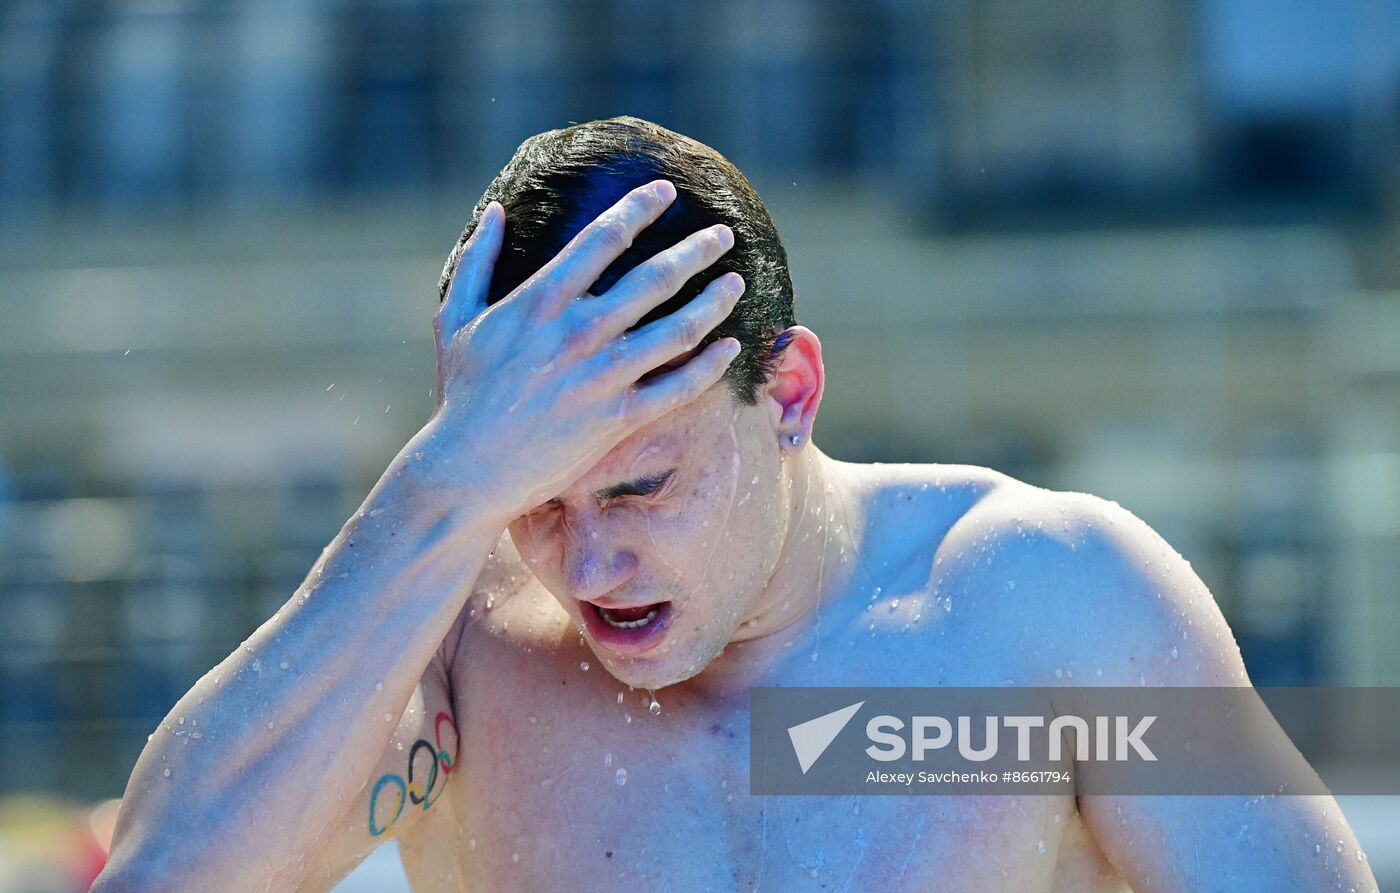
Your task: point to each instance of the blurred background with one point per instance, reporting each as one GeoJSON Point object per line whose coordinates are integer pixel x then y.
{"type": "Point", "coordinates": [1146, 249]}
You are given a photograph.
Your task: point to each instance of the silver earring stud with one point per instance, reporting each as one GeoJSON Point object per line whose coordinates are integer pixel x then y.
{"type": "Point", "coordinates": [795, 439]}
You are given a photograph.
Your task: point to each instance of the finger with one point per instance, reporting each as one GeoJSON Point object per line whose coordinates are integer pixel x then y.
{"type": "Point", "coordinates": [466, 296]}
{"type": "Point", "coordinates": [660, 395]}
{"type": "Point", "coordinates": [652, 283]}
{"type": "Point", "coordinates": [627, 359]}
{"type": "Point", "coordinates": [579, 264]}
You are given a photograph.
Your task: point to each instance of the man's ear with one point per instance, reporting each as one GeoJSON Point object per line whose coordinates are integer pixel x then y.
{"type": "Point", "coordinates": [795, 390]}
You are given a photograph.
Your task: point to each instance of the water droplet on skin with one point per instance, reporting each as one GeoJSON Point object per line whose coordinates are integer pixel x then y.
{"type": "Point", "coordinates": [1042, 846]}
{"type": "Point", "coordinates": [654, 708]}
{"type": "Point", "coordinates": [269, 723]}
{"type": "Point", "coordinates": [583, 665]}
{"type": "Point", "coordinates": [1098, 671]}
{"type": "Point", "coordinates": [166, 773]}
{"type": "Point", "coordinates": [621, 776]}
{"type": "Point", "coordinates": [283, 665]}
{"type": "Point", "coordinates": [607, 759]}
{"type": "Point", "coordinates": [182, 720]}
{"type": "Point", "coordinates": [1175, 653]}
{"type": "Point", "coordinates": [1059, 673]}
{"type": "Point", "coordinates": [388, 717]}
{"type": "Point", "coordinates": [814, 657]}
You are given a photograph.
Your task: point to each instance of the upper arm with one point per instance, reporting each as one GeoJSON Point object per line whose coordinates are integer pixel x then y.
{"type": "Point", "coordinates": [409, 779]}
{"type": "Point", "coordinates": [1117, 604]}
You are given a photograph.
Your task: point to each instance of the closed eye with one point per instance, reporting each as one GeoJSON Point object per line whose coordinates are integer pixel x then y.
{"type": "Point", "coordinates": [644, 486]}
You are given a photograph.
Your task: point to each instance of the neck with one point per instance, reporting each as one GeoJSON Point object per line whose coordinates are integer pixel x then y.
{"type": "Point", "coordinates": [818, 553]}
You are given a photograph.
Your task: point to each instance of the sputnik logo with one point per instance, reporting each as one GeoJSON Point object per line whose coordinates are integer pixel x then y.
{"type": "Point", "coordinates": [810, 739]}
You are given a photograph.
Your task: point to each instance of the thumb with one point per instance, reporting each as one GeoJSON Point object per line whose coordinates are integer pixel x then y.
{"type": "Point", "coordinates": [466, 296]}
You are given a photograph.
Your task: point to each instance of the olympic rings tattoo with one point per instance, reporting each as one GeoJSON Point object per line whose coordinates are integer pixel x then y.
{"type": "Point", "coordinates": [424, 793]}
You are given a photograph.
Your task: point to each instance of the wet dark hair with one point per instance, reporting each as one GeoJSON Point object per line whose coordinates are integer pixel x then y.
{"type": "Point", "coordinates": [560, 180]}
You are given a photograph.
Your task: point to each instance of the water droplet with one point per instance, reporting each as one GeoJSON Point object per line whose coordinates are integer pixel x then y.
{"type": "Point", "coordinates": [814, 657]}
{"type": "Point", "coordinates": [1042, 846]}
{"type": "Point", "coordinates": [378, 686]}
{"type": "Point", "coordinates": [283, 665]}
{"type": "Point", "coordinates": [1175, 653]}
{"type": "Point", "coordinates": [619, 697]}
{"type": "Point", "coordinates": [182, 720]}
{"type": "Point", "coordinates": [1059, 673]}
{"type": "Point", "coordinates": [166, 772]}
{"type": "Point", "coordinates": [621, 776]}
{"type": "Point", "coordinates": [607, 759]}
{"type": "Point", "coordinates": [388, 717]}
{"type": "Point", "coordinates": [583, 665]}
{"type": "Point", "coordinates": [654, 707]}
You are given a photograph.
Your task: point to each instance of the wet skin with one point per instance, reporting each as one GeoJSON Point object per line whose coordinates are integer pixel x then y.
{"type": "Point", "coordinates": [433, 685]}
{"type": "Point", "coordinates": [926, 575]}
{"type": "Point", "coordinates": [537, 799]}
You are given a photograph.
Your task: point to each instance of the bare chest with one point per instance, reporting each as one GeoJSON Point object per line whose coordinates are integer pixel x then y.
{"type": "Point", "coordinates": [567, 777]}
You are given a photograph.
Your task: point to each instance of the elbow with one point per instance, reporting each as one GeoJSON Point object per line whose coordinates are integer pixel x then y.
{"type": "Point", "coordinates": [131, 872]}
{"type": "Point", "coordinates": [124, 877]}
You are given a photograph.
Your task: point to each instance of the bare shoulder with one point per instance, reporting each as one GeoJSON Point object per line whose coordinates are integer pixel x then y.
{"type": "Point", "coordinates": [504, 578]}
{"type": "Point", "coordinates": [1093, 594]}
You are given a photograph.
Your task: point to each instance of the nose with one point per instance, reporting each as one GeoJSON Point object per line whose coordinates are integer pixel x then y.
{"type": "Point", "coordinates": [593, 565]}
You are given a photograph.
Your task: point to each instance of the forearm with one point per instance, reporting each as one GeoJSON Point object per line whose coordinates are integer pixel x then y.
{"type": "Point", "coordinates": [239, 777]}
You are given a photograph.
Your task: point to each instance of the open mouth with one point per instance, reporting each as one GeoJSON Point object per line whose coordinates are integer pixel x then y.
{"type": "Point", "coordinates": [627, 630]}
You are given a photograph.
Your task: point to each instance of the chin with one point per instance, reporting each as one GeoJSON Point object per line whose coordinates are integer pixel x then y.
{"type": "Point", "coordinates": [654, 673]}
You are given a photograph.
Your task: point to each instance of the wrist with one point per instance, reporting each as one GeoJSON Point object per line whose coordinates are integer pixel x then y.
{"type": "Point", "coordinates": [437, 475]}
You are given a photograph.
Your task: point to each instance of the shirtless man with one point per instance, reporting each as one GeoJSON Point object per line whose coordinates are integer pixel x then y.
{"type": "Point", "coordinates": [527, 656]}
